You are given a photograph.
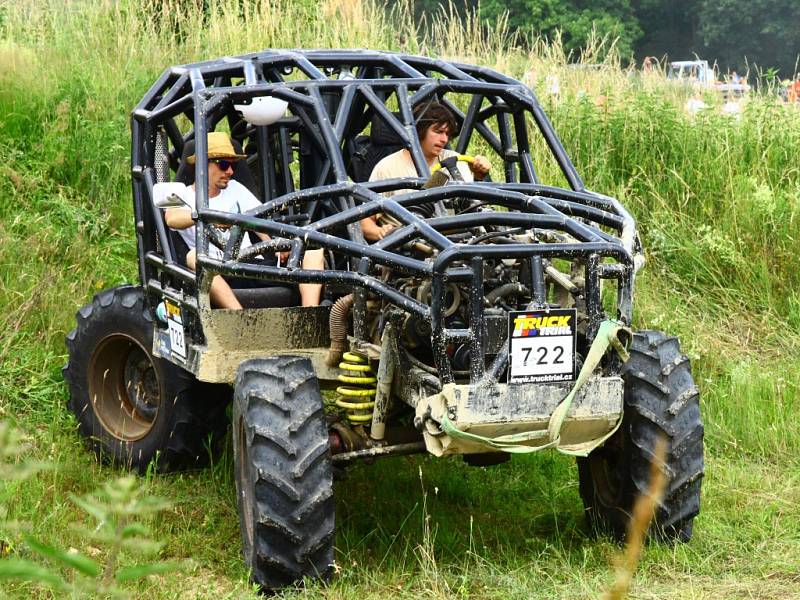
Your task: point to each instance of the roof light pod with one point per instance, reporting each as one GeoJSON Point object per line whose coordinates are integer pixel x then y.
{"type": "Point", "coordinates": [263, 110]}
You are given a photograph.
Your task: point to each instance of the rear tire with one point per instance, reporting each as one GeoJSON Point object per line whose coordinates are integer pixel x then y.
{"type": "Point", "coordinates": [133, 407]}
{"type": "Point", "coordinates": [660, 399]}
{"type": "Point", "coordinates": [283, 472]}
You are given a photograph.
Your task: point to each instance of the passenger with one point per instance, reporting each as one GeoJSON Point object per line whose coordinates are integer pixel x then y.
{"type": "Point", "coordinates": [228, 195]}
{"type": "Point", "coordinates": [435, 126]}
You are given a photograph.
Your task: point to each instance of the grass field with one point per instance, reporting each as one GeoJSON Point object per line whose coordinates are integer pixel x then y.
{"type": "Point", "coordinates": [717, 202]}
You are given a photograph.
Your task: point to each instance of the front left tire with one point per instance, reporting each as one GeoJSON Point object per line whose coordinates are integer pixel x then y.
{"type": "Point", "coordinates": [284, 481]}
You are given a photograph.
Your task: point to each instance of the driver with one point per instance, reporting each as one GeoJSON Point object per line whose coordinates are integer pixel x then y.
{"type": "Point", "coordinates": [228, 195]}
{"type": "Point", "coordinates": [435, 126]}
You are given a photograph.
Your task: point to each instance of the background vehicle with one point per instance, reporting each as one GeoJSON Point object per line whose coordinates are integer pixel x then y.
{"type": "Point", "coordinates": [693, 71]}
{"type": "Point", "coordinates": [699, 73]}
{"type": "Point", "coordinates": [493, 320]}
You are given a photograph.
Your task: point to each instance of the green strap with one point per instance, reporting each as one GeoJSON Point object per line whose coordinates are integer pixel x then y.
{"type": "Point", "coordinates": [607, 335]}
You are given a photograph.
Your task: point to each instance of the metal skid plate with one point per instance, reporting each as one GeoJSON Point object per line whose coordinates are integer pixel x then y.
{"type": "Point", "coordinates": [500, 409]}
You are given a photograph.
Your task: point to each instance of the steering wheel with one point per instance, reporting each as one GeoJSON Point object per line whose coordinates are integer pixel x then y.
{"type": "Point", "coordinates": [451, 164]}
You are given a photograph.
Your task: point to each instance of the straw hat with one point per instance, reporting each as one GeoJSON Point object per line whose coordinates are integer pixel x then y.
{"type": "Point", "coordinates": [219, 146]}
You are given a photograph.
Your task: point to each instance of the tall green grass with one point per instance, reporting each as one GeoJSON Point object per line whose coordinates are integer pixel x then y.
{"type": "Point", "coordinates": [716, 199]}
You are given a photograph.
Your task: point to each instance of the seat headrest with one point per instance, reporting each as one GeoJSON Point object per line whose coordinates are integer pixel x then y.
{"type": "Point", "coordinates": [381, 134]}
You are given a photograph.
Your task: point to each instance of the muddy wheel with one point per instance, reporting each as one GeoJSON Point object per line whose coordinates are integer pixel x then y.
{"type": "Point", "coordinates": [660, 399]}
{"type": "Point", "coordinates": [135, 408]}
{"type": "Point", "coordinates": [283, 472]}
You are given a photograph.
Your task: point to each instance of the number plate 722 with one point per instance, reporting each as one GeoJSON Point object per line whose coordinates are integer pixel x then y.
{"type": "Point", "coordinates": [542, 345]}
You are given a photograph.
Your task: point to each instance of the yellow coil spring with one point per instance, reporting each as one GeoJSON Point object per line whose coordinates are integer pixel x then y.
{"type": "Point", "coordinates": [358, 397]}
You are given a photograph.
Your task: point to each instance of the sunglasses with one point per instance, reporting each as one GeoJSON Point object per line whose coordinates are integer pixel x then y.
{"type": "Point", "coordinates": [224, 164]}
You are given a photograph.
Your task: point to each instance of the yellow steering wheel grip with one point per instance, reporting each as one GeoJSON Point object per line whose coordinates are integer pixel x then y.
{"type": "Point", "coordinates": [467, 158]}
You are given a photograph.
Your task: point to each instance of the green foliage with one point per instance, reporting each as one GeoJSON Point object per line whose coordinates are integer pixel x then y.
{"type": "Point", "coordinates": [12, 467]}
{"type": "Point", "coordinates": [670, 28]}
{"type": "Point", "coordinates": [735, 34]}
{"type": "Point", "coordinates": [117, 508]}
{"type": "Point", "coordinates": [759, 30]}
{"type": "Point", "coordinates": [575, 21]}
{"type": "Point", "coordinates": [674, 169]}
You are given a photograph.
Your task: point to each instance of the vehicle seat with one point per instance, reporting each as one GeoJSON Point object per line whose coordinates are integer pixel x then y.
{"type": "Point", "coordinates": [273, 296]}
{"type": "Point", "coordinates": [268, 295]}
{"type": "Point", "coordinates": [380, 143]}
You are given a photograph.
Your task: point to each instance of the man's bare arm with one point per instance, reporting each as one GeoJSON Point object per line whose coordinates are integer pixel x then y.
{"type": "Point", "coordinates": [178, 218]}
{"type": "Point", "coordinates": [372, 231]}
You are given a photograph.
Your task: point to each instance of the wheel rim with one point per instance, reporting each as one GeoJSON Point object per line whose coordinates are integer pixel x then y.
{"type": "Point", "coordinates": [243, 486]}
{"type": "Point", "coordinates": [124, 388]}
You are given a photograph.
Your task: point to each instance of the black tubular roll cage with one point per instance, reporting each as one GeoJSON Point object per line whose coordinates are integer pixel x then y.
{"type": "Point", "coordinates": [332, 97]}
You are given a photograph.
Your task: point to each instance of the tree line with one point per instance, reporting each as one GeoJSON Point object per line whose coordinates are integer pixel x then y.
{"type": "Point", "coordinates": [734, 33]}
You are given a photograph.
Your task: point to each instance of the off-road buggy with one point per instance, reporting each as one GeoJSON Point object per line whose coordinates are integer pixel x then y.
{"type": "Point", "coordinates": [494, 319]}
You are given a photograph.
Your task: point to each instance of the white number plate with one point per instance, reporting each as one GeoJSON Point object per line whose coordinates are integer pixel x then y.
{"type": "Point", "coordinates": [542, 346]}
{"type": "Point", "coordinates": [177, 342]}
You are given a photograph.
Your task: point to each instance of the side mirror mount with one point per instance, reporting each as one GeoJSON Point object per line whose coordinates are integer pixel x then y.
{"type": "Point", "coordinates": [263, 110]}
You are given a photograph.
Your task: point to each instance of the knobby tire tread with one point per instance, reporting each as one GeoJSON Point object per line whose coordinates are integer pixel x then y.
{"type": "Point", "coordinates": [660, 399]}
{"type": "Point", "coordinates": [286, 463]}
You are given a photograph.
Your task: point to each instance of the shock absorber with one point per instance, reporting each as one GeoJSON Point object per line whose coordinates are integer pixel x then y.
{"type": "Point", "coordinates": [357, 397]}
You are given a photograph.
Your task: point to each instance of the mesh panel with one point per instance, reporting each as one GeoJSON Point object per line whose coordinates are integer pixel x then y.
{"type": "Point", "coordinates": [161, 166]}
{"type": "Point", "coordinates": [161, 163]}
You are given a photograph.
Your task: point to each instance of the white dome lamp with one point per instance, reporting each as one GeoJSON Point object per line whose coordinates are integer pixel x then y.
{"type": "Point", "coordinates": [263, 110]}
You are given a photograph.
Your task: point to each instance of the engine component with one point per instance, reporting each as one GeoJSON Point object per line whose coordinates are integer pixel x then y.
{"type": "Point", "coordinates": [452, 297]}
{"type": "Point", "coordinates": [504, 290]}
{"type": "Point", "coordinates": [338, 328]}
{"type": "Point", "coordinates": [416, 332]}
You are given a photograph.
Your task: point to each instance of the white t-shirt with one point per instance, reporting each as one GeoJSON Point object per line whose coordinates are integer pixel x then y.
{"type": "Point", "coordinates": [235, 198]}
{"type": "Point", "coordinates": [400, 164]}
